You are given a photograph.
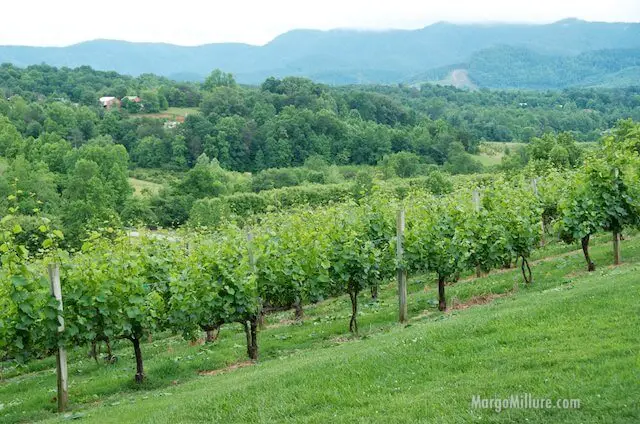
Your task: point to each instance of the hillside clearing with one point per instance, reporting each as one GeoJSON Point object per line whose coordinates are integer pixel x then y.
{"type": "Point", "coordinates": [142, 187]}
{"type": "Point", "coordinates": [459, 78]}
{"type": "Point", "coordinates": [173, 113]}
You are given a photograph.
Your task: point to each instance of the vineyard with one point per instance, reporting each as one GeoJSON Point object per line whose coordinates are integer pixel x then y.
{"type": "Point", "coordinates": [120, 287]}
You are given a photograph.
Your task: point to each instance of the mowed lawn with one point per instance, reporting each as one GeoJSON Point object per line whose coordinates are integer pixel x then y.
{"type": "Point", "coordinates": [572, 335]}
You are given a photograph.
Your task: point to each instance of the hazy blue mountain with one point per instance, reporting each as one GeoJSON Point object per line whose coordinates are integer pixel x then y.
{"type": "Point", "coordinates": [507, 66]}
{"type": "Point", "coordinates": [346, 56]}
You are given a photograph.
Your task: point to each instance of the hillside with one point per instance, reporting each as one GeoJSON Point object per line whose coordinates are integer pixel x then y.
{"type": "Point", "coordinates": [516, 67]}
{"type": "Point", "coordinates": [341, 56]}
{"type": "Point", "coordinates": [570, 335]}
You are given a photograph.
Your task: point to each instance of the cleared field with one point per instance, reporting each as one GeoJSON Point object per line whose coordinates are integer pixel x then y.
{"type": "Point", "coordinates": [459, 78]}
{"type": "Point", "coordinates": [488, 160]}
{"type": "Point", "coordinates": [173, 113]}
{"type": "Point", "coordinates": [141, 187]}
{"type": "Point", "coordinates": [492, 152]}
{"type": "Point", "coordinates": [571, 335]}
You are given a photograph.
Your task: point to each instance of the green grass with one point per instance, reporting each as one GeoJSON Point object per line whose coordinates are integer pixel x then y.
{"type": "Point", "coordinates": [142, 187]}
{"type": "Point", "coordinates": [488, 160]}
{"type": "Point", "coordinates": [570, 335]}
{"type": "Point", "coordinates": [181, 111]}
{"type": "Point", "coordinates": [173, 113]}
{"type": "Point", "coordinates": [491, 152]}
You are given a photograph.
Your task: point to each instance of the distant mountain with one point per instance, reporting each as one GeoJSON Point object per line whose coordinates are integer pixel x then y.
{"type": "Point", "coordinates": [507, 67]}
{"type": "Point", "coordinates": [349, 56]}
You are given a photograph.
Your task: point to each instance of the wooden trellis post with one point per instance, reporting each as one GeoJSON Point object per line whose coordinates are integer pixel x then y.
{"type": "Point", "coordinates": [61, 355]}
{"type": "Point", "coordinates": [402, 272]}
{"type": "Point", "coordinates": [534, 184]}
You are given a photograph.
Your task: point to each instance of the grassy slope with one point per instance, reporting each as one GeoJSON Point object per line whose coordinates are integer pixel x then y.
{"type": "Point", "coordinates": [140, 187]}
{"type": "Point", "coordinates": [172, 113]}
{"type": "Point", "coordinates": [568, 336]}
{"type": "Point", "coordinates": [492, 152]}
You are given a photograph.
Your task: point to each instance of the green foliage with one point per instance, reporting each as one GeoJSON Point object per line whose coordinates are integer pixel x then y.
{"type": "Point", "coordinates": [291, 253]}
{"type": "Point", "coordinates": [217, 78]}
{"type": "Point", "coordinates": [435, 182]}
{"type": "Point", "coordinates": [137, 212]}
{"type": "Point", "coordinates": [277, 178]}
{"type": "Point", "coordinates": [96, 187]}
{"type": "Point", "coordinates": [152, 152]}
{"type": "Point", "coordinates": [511, 67]}
{"type": "Point", "coordinates": [208, 179]}
{"type": "Point", "coordinates": [518, 213]}
{"type": "Point", "coordinates": [604, 193]}
{"type": "Point", "coordinates": [559, 151]}
{"type": "Point", "coordinates": [28, 317]}
{"type": "Point", "coordinates": [11, 143]}
{"type": "Point", "coordinates": [401, 164]}
{"type": "Point", "coordinates": [460, 162]}
{"type": "Point", "coordinates": [433, 239]}
{"type": "Point", "coordinates": [216, 286]}
{"type": "Point", "coordinates": [354, 258]}
{"type": "Point", "coordinates": [210, 212]}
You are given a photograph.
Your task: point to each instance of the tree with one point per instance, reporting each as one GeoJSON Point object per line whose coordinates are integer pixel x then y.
{"type": "Point", "coordinates": [131, 106]}
{"type": "Point", "coordinates": [559, 151]}
{"type": "Point", "coordinates": [32, 186]}
{"type": "Point", "coordinates": [217, 78]}
{"type": "Point", "coordinates": [223, 101]}
{"type": "Point", "coordinates": [460, 162]}
{"type": "Point", "coordinates": [152, 152]}
{"type": "Point", "coordinates": [402, 164]}
{"type": "Point", "coordinates": [179, 152]}
{"type": "Point", "coordinates": [481, 234]}
{"type": "Point", "coordinates": [613, 180]}
{"type": "Point", "coordinates": [88, 201]}
{"type": "Point", "coordinates": [11, 142]}
{"type": "Point", "coordinates": [205, 179]}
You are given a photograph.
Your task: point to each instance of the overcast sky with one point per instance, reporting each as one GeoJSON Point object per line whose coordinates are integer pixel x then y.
{"type": "Point", "coordinates": [193, 22]}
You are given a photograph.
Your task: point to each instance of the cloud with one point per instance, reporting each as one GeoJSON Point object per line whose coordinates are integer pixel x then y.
{"type": "Point", "coordinates": [192, 22]}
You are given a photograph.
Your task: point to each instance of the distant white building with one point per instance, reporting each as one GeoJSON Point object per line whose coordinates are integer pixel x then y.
{"type": "Point", "coordinates": [108, 101]}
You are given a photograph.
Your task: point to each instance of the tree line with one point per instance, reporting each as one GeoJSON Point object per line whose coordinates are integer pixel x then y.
{"type": "Point", "coordinates": [69, 157]}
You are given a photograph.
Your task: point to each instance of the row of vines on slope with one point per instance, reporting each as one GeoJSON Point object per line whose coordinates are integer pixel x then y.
{"type": "Point", "coordinates": [122, 287]}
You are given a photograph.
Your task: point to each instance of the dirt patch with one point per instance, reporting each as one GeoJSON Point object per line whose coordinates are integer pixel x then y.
{"type": "Point", "coordinates": [424, 314]}
{"type": "Point", "coordinates": [341, 339]}
{"type": "Point", "coordinates": [284, 322]}
{"type": "Point", "coordinates": [477, 300]}
{"type": "Point", "coordinates": [230, 368]}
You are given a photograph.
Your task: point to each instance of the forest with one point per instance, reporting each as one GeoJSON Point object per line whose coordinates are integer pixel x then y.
{"type": "Point", "coordinates": [247, 149]}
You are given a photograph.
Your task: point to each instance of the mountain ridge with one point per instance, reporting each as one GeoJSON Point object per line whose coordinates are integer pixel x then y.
{"type": "Point", "coordinates": [338, 56]}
